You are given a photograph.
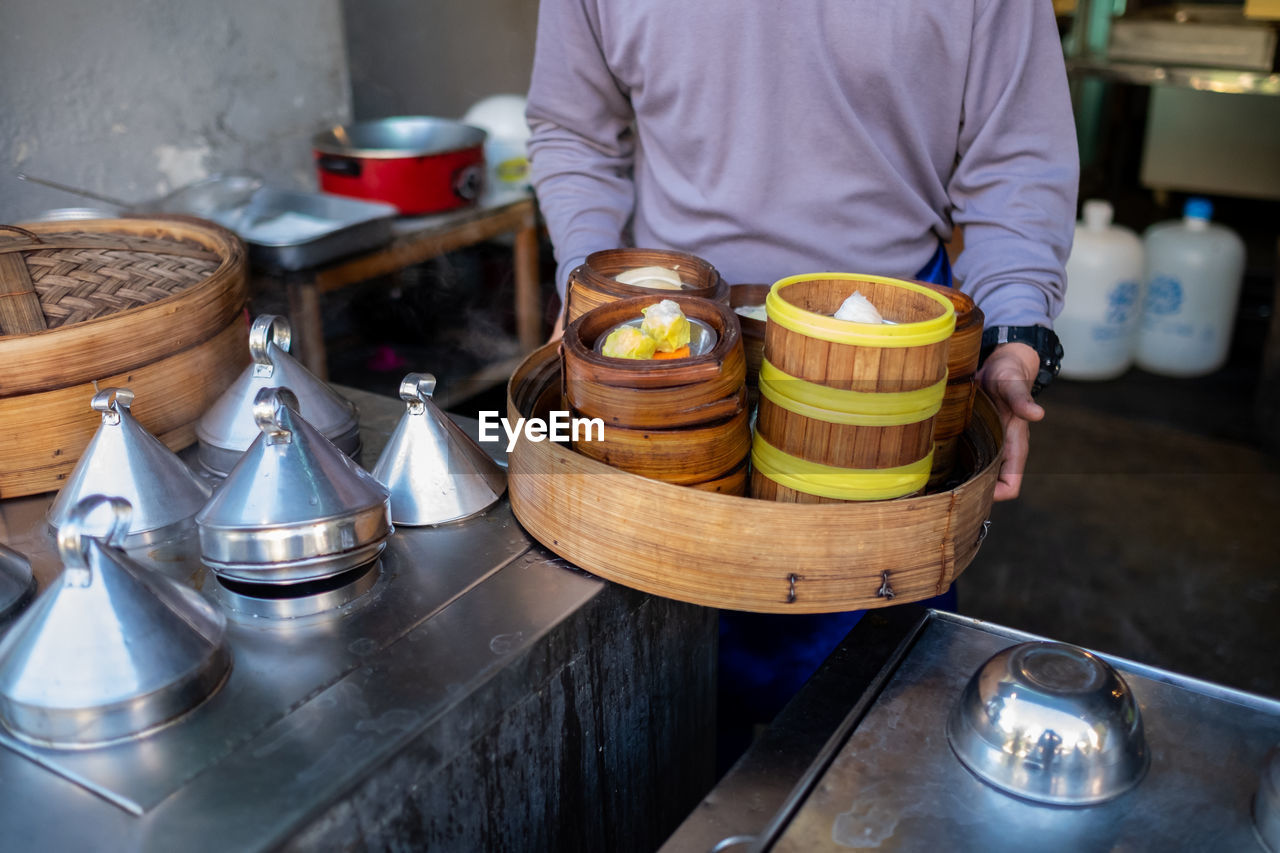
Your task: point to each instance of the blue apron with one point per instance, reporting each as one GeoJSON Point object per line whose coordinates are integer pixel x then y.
{"type": "Point", "coordinates": [765, 658]}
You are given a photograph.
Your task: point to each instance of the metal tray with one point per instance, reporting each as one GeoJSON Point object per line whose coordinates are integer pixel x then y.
{"type": "Point", "coordinates": [293, 230]}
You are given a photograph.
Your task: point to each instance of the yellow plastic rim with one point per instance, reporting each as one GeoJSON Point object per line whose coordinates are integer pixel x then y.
{"type": "Point", "coordinates": [852, 408]}
{"type": "Point", "coordinates": [829, 481]}
{"type": "Point", "coordinates": [814, 325]}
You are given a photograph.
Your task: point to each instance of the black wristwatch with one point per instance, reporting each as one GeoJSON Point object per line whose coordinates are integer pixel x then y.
{"type": "Point", "coordinates": [1039, 338]}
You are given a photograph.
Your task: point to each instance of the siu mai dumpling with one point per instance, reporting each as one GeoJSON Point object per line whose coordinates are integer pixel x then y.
{"type": "Point", "coordinates": [628, 342]}
{"type": "Point", "coordinates": [666, 324]}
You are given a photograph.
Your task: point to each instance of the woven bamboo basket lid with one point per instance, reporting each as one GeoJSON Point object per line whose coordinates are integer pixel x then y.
{"type": "Point", "coordinates": [739, 553]}
{"type": "Point", "coordinates": [151, 304]}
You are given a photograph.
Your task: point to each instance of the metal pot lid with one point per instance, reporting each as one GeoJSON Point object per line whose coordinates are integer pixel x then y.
{"type": "Point", "coordinates": [292, 501]}
{"type": "Point", "coordinates": [401, 136]}
{"type": "Point", "coordinates": [125, 460]}
{"type": "Point", "coordinates": [229, 423]}
{"type": "Point", "coordinates": [435, 471]}
{"type": "Point", "coordinates": [1052, 723]}
{"type": "Point", "coordinates": [111, 649]}
{"type": "Point", "coordinates": [17, 583]}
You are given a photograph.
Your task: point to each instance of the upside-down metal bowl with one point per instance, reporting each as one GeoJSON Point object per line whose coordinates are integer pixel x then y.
{"type": "Point", "coordinates": [1051, 723]}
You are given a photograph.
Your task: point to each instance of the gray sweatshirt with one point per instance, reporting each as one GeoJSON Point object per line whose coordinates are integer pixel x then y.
{"type": "Point", "coordinates": [779, 137]}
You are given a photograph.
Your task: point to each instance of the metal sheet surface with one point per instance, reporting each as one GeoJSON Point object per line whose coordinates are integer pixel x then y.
{"type": "Point", "coordinates": [279, 663]}
{"type": "Point", "coordinates": [313, 705]}
{"type": "Point", "coordinates": [896, 785]}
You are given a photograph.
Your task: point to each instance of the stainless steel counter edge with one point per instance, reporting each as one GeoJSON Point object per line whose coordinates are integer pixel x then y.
{"type": "Point", "coordinates": [294, 769]}
{"type": "Point", "coordinates": [746, 800]}
{"type": "Point", "coordinates": [749, 808]}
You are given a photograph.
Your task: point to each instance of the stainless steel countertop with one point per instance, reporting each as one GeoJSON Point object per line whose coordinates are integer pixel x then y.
{"type": "Point", "coordinates": [312, 703]}
{"type": "Point", "coordinates": [887, 779]}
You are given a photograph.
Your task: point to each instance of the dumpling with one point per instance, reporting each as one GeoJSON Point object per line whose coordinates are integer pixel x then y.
{"type": "Point", "coordinates": [657, 278]}
{"type": "Point", "coordinates": [628, 342]}
{"type": "Point", "coordinates": [666, 324]}
{"type": "Point", "coordinates": [858, 309]}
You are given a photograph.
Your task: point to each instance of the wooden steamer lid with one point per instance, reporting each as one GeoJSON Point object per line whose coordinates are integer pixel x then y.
{"type": "Point", "coordinates": [739, 553]}
{"type": "Point", "coordinates": [154, 305]}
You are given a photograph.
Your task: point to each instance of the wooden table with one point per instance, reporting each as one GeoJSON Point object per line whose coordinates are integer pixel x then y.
{"type": "Point", "coordinates": [416, 240]}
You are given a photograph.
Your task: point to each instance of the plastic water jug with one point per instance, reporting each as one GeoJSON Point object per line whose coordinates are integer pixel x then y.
{"type": "Point", "coordinates": [1194, 270]}
{"type": "Point", "coordinates": [1098, 325]}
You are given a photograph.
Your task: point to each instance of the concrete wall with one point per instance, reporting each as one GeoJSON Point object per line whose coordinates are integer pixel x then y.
{"type": "Point", "coordinates": [133, 98]}
{"type": "Point", "coordinates": [437, 57]}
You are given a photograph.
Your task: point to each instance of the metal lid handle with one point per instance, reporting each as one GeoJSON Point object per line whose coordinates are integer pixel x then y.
{"type": "Point", "coordinates": [268, 329]}
{"type": "Point", "coordinates": [73, 537]}
{"type": "Point", "coordinates": [266, 413]}
{"type": "Point", "coordinates": [110, 401]}
{"type": "Point", "coordinates": [416, 389]}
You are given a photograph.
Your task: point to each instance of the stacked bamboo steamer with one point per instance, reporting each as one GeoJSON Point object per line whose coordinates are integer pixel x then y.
{"type": "Point", "coordinates": [154, 305]}
{"type": "Point", "coordinates": [963, 352]}
{"type": "Point", "coordinates": [682, 421]}
{"type": "Point", "coordinates": [786, 553]}
{"type": "Point", "coordinates": [594, 284]}
{"type": "Point", "coordinates": [847, 410]}
{"type": "Point", "coordinates": [723, 551]}
{"type": "Point", "coordinates": [744, 296]}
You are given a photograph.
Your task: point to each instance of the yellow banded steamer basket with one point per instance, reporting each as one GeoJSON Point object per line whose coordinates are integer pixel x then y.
{"type": "Point", "coordinates": [857, 400]}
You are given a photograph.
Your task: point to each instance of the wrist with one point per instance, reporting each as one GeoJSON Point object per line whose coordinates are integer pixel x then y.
{"type": "Point", "coordinates": [1037, 347]}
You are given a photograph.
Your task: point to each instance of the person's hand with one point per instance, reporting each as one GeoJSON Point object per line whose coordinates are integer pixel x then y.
{"type": "Point", "coordinates": [557, 331]}
{"type": "Point", "coordinates": [1007, 377]}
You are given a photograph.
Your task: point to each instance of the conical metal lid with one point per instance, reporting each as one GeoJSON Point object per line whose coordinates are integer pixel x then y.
{"type": "Point", "coordinates": [125, 460]}
{"type": "Point", "coordinates": [435, 471]}
{"type": "Point", "coordinates": [111, 649]}
{"type": "Point", "coordinates": [294, 507]}
{"type": "Point", "coordinates": [228, 428]}
{"type": "Point", "coordinates": [17, 583]}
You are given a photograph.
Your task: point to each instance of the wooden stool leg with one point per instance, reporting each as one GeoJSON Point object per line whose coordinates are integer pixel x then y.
{"type": "Point", "coordinates": [528, 304]}
{"type": "Point", "coordinates": [308, 327]}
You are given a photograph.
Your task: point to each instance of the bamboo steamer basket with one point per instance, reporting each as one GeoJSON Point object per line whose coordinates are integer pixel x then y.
{"type": "Point", "coordinates": [962, 368]}
{"type": "Point", "coordinates": [740, 553]}
{"type": "Point", "coordinates": [592, 284]}
{"type": "Point", "coordinates": [684, 420]}
{"type": "Point", "coordinates": [154, 305]}
{"type": "Point", "coordinates": [654, 393]}
{"type": "Point", "coordinates": [847, 409]}
{"type": "Point", "coordinates": [742, 295]}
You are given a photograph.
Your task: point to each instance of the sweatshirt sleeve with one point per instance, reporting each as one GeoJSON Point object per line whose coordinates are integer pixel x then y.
{"type": "Point", "coordinates": [581, 144]}
{"type": "Point", "coordinates": [1017, 175]}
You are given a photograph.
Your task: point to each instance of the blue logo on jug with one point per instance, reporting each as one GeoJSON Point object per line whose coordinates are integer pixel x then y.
{"type": "Point", "coordinates": [1164, 295]}
{"type": "Point", "coordinates": [1121, 301]}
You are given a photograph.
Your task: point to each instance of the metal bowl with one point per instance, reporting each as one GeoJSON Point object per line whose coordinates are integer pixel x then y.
{"type": "Point", "coordinates": [702, 338]}
{"type": "Point", "coordinates": [1051, 723]}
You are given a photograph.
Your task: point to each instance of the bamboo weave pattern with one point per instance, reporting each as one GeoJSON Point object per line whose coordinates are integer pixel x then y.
{"type": "Point", "coordinates": [75, 285]}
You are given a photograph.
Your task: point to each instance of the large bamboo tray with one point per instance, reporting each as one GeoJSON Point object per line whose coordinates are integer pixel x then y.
{"type": "Point", "coordinates": [739, 553]}
{"type": "Point", "coordinates": [153, 305]}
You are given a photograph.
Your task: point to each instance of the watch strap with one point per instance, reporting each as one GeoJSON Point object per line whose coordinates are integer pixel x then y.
{"type": "Point", "coordinates": [1040, 338]}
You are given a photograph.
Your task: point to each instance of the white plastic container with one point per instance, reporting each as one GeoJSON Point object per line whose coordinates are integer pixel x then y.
{"type": "Point", "coordinates": [505, 148]}
{"type": "Point", "coordinates": [1194, 270]}
{"type": "Point", "coordinates": [1098, 325]}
